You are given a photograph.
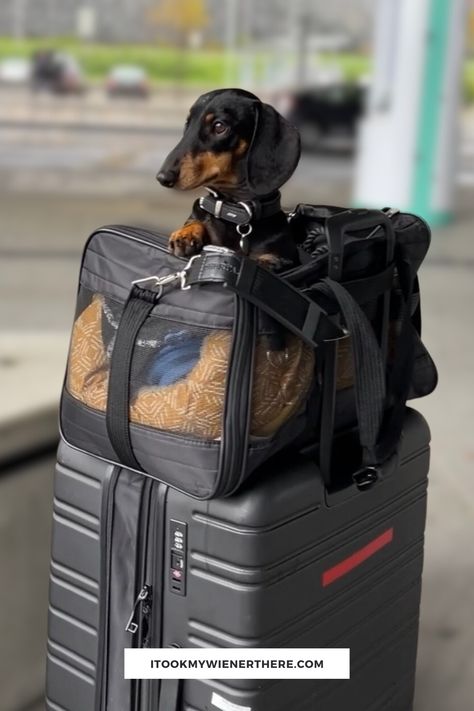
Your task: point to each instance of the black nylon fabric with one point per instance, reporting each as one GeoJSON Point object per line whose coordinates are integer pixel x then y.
{"type": "Point", "coordinates": [184, 321]}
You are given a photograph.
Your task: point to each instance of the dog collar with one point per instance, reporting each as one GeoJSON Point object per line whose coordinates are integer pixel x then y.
{"type": "Point", "coordinates": [241, 214]}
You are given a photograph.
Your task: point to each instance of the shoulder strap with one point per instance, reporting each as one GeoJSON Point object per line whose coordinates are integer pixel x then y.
{"type": "Point", "coordinates": [369, 371]}
{"type": "Point", "coordinates": [267, 291]}
{"type": "Point", "coordinates": [308, 320]}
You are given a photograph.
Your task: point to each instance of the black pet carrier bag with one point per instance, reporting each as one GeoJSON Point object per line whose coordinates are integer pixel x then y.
{"type": "Point", "coordinates": [194, 372]}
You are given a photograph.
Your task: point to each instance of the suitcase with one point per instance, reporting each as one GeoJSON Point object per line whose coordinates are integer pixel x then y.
{"type": "Point", "coordinates": [284, 562]}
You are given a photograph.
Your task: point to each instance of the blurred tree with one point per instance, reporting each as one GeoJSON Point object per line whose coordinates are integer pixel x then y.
{"type": "Point", "coordinates": [180, 22]}
{"type": "Point", "coordinates": [181, 18]}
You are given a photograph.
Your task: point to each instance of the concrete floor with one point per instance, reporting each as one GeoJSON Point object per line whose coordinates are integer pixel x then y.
{"type": "Point", "coordinates": [41, 238]}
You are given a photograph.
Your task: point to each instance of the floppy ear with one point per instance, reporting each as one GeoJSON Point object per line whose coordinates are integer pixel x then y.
{"type": "Point", "coordinates": [274, 151]}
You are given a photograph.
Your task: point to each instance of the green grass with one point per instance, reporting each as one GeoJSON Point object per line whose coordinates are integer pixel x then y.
{"type": "Point", "coordinates": [353, 66]}
{"type": "Point", "coordinates": [195, 68]}
{"type": "Point", "coordinates": [162, 64]}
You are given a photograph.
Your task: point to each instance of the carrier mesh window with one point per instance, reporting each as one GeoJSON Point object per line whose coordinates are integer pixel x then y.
{"type": "Point", "coordinates": [179, 372]}
{"type": "Point", "coordinates": [179, 375]}
{"type": "Point", "coordinates": [283, 376]}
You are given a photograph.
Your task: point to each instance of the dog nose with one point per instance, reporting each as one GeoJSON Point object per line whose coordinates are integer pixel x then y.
{"type": "Point", "coordinates": [167, 178]}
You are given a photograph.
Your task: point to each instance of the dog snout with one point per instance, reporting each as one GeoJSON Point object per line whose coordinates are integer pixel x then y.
{"type": "Point", "coordinates": [167, 178]}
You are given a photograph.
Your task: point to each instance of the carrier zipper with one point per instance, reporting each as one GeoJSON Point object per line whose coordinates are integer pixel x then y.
{"type": "Point", "coordinates": [234, 438]}
{"type": "Point", "coordinates": [152, 239]}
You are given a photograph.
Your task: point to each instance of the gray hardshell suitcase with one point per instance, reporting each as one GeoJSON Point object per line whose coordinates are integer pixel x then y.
{"type": "Point", "coordinates": [282, 563]}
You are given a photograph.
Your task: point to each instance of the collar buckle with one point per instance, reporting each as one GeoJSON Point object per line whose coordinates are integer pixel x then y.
{"type": "Point", "coordinates": [247, 209]}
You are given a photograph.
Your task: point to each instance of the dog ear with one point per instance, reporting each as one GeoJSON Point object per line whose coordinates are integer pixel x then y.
{"type": "Point", "coordinates": [274, 151]}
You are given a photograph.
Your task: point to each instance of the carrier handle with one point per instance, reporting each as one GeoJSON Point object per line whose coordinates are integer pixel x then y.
{"type": "Point", "coordinates": [270, 293]}
{"type": "Point", "coordinates": [339, 224]}
{"type": "Point", "coordinates": [139, 305]}
{"type": "Point", "coordinates": [369, 380]}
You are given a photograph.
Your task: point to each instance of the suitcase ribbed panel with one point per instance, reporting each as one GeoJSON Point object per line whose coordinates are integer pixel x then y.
{"type": "Point", "coordinates": [75, 582]}
{"type": "Point", "coordinates": [270, 566]}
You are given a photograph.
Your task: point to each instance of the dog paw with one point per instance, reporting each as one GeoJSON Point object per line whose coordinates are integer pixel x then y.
{"type": "Point", "coordinates": [271, 262]}
{"type": "Point", "coordinates": [188, 240]}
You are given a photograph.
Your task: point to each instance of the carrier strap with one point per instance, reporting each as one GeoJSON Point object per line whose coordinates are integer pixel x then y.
{"type": "Point", "coordinates": [309, 321]}
{"type": "Point", "coordinates": [272, 294]}
{"type": "Point", "coordinates": [369, 371]}
{"type": "Point", "coordinates": [137, 308]}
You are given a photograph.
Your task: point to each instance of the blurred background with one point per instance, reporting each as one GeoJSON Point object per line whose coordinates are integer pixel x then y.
{"type": "Point", "coordinates": [93, 94]}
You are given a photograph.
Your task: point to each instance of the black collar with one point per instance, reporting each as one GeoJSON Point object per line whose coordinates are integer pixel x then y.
{"type": "Point", "coordinates": [240, 213]}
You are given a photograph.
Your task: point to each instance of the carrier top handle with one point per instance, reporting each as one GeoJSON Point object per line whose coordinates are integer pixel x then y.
{"type": "Point", "coordinates": [337, 227]}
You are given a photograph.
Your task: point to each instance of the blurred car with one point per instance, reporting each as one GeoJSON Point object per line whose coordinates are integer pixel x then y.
{"type": "Point", "coordinates": [15, 71]}
{"type": "Point", "coordinates": [128, 80]}
{"type": "Point", "coordinates": [57, 72]}
{"type": "Point", "coordinates": [327, 116]}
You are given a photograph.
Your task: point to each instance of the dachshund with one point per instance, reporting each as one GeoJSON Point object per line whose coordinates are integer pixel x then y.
{"type": "Point", "coordinates": [242, 151]}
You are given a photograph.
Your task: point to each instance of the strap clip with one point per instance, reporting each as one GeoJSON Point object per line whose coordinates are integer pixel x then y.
{"type": "Point", "coordinates": [365, 478]}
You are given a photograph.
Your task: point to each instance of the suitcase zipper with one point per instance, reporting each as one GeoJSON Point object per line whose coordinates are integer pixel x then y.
{"type": "Point", "coordinates": [143, 599]}
{"type": "Point", "coordinates": [138, 622]}
{"type": "Point", "coordinates": [107, 505]}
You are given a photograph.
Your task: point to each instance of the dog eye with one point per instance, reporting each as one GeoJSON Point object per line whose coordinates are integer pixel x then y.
{"type": "Point", "coordinates": [219, 128]}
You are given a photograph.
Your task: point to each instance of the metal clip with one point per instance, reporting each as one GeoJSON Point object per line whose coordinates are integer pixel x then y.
{"type": "Point", "coordinates": [244, 231]}
{"type": "Point", "coordinates": [159, 281]}
{"type": "Point", "coordinates": [183, 274]}
{"type": "Point", "coordinates": [216, 249]}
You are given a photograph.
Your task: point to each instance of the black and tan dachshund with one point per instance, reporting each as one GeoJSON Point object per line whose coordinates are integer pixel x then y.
{"type": "Point", "coordinates": [242, 150]}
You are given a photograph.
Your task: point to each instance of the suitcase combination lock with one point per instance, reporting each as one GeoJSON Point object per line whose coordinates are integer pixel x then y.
{"type": "Point", "coordinates": [178, 557]}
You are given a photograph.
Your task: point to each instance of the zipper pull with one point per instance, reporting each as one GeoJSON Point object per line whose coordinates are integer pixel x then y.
{"type": "Point", "coordinates": [144, 594]}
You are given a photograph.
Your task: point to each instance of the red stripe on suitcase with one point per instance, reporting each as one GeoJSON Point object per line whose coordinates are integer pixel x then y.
{"type": "Point", "coordinates": [357, 558]}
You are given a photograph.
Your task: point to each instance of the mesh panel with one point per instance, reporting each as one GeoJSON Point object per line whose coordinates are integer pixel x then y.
{"type": "Point", "coordinates": [179, 375]}
{"type": "Point", "coordinates": [283, 376]}
{"type": "Point", "coordinates": [179, 372]}
{"type": "Point", "coordinates": [90, 349]}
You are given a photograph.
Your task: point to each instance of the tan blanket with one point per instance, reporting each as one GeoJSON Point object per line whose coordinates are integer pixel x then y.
{"type": "Point", "coordinates": [194, 405]}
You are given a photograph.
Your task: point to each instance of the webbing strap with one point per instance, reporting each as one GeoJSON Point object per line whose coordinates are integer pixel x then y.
{"type": "Point", "coordinates": [269, 292]}
{"type": "Point", "coordinates": [369, 370]}
{"type": "Point", "coordinates": [136, 310]}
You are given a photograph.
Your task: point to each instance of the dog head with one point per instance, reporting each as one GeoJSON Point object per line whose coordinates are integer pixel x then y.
{"type": "Point", "coordinates": [234, 143]}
